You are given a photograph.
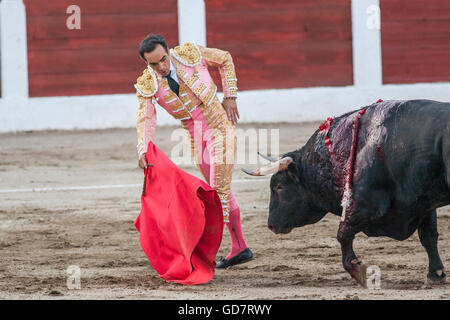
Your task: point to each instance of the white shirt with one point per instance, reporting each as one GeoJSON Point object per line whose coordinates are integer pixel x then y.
{"type": "Point", "coordinates": [173, 72]}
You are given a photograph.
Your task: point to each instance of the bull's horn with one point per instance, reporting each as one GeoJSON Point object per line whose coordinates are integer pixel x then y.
{"type": "Point", "coordinates": [271, 168]}
{"type": "Point", "coordinates": [271, 159]}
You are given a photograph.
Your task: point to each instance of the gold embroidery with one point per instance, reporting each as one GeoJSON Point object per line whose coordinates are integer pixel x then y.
{"type": "Point", "coordinates": [188, 54]}
{"type": "Point", "coordinates": [165, 84]}
{"type": "Point", "coordinates": [181, 72]}
{"type": "Point", "coordinates": [210, 95]}
{"type": "Point", "coordinates": [171, 97]}
{"type": "Point", "coordinates": [224, 62]}
{"type": "Point", "coordinates": [196, 73]}
{"type": "Point", "coordinates": [185, 100]}
{"type": "Point", "coordinates": [190, 101]}
{"type": "Point", "coordinates": [147, 84]}
{"type": "Point", "coordinates": [230, 73]}
{"type": "Point", "coordinates": [192, 81]}
{"type": "Point", "coordinates": [181, 115]}
{"type": "Point", "coordinates": [200, 89]}
{"type": "Point", "coordinates": [183, 93]}
{"type": "Point", "coordinates": [140, 124]}
{"type": "Point", "coordinates": [176, 105]}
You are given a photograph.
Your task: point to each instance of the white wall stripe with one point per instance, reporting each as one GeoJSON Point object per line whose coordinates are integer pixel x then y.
{"type": "Point", "coordinates": [73, 188]}
{"type": "Point", "coordinates": [192, 21]}
{"type": "Point", "coordinates": [99, 187]}
{"type": "Point", "coordinates": [367, 60]}
{"type": "Point", "coordinates": [14, 58]}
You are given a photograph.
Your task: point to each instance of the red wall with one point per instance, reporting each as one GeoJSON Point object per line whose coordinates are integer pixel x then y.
{"type": "Point", "coordinates": [102, 57]}
{"type": "Point", "coordinates": [415, 37]}
{"type": "Point", "coordinates": [284, 43]}
{"type": "Point", "coordinates": [274, 43]}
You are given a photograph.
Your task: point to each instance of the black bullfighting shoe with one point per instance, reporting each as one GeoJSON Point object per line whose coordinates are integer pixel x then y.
{"type": "Point", "coordinates": [242, 257]}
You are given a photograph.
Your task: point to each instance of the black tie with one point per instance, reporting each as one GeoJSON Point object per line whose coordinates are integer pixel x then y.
{"type": "Point", "coordinates": [173, 84]}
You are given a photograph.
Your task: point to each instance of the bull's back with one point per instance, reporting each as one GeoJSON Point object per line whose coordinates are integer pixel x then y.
{"type": "Point", "coordinates": [415, 151]}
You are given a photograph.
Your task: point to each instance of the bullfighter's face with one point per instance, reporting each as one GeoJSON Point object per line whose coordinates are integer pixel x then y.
{"type": "Point", "coordinates": [289, 202]}
{"type": "Point", "coordinates": [159, 60]}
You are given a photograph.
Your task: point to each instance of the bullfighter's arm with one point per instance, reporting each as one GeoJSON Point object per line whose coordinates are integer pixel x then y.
{"type": "Point", "coordinates": [146, 123]}
{"type": "Point", "coordinates": [224, 62]}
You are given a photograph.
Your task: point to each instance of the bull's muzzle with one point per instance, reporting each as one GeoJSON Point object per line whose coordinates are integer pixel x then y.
{"type": "Point", "coordinates": [279, 230]}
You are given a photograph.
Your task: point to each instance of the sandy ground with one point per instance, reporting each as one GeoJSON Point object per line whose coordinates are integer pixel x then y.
{"type": "Point", "coordinates": [44, 232]}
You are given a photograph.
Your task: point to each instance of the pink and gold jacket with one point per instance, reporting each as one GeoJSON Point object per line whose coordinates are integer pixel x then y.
{"type": "Point", "coordinates": [191, 62]}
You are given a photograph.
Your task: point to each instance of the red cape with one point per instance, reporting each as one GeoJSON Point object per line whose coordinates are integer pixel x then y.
{"type": "Point", "coordinates": [180, 223]}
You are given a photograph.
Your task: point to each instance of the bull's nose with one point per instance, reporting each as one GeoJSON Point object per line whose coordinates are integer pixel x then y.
{"type": "Point", "coordinates": [272, 228]}
{"type": "Point", "coordinates": [278, 230]}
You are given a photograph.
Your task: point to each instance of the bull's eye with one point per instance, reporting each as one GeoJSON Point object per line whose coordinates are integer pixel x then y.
{"type": "Point", "coordinates": [279, 187]}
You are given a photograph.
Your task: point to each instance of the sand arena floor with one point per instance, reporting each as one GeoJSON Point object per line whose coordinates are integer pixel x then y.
{"type": "Point", "coordinates": [79, 220]}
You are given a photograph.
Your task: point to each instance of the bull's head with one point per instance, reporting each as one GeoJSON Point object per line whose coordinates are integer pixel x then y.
{"type": "Point", "coordinates": [290, 204]}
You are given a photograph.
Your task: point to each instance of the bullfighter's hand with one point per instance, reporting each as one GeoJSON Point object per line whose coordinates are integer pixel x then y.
{"type": "Point", "coordinates": [143, 162]}
{"type": "Point", "coordinates": [231, 109]}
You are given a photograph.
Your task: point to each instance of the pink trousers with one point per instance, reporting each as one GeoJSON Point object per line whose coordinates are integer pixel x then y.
{"type": "Point", "coordinates": [213, 144]}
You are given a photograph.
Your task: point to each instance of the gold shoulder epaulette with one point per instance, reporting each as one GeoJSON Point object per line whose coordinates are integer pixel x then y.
{"type": "Point", "coordinates": [188, 54]}
{"type": "Point", "coordinates": [147, 84]}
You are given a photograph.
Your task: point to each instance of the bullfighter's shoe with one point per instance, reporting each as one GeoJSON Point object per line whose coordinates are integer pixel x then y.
{"type": "Point", "coordinates": [242, 257]}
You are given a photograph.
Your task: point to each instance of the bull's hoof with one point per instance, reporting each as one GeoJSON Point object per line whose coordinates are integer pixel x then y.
{"type": "Point", "coordinates": [436, 277]}
{"type": "Point", "coordinates": [358, 271]}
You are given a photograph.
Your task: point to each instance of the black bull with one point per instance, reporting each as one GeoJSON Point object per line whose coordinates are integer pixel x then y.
{"type": "Point", "coordinates": [401, 176]}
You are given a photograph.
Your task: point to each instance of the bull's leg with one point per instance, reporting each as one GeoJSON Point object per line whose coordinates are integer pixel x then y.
{"type": "Point", "coordinates": [428, 235]}
{"type": "Point", "coordinates": [448, 172]}
{"type": "Point", "coordinates": [351, 263]}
